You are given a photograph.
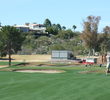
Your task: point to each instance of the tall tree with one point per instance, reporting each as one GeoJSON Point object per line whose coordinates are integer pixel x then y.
{"type": "Point", "coordinates": [59, 27]}
{"type": "Point", "coordinates": [90, 30]}
{"type": "Point", "coordinates": [10, 41]}
{"type": "Point", "coordinates": [47, 23]}
{"type": "Point", "coordinates": [104, 41]}
{"type": "Point", "coordinates": [74, 27]}
{"type": "Point", "coordinates": [52, 30]}
{"type": "Point", "coordinates": [63, 27]}
{"type": "Point", "coordinates": [0, 24]}
{"type": "Point", "coordinates": [106, 30]}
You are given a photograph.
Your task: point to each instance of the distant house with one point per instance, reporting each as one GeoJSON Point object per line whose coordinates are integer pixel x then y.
{"type": "Point", "coordinates": [62, 55]}
{"type": "Point", "coordinates": [39, 28]}
{"type": "Point", "coordinates": [23, 28]}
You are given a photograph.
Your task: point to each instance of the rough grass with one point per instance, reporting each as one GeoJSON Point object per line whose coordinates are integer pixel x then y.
{"type": "Point", "coordinates": [29, 58]}
{"type": "Point", "coordinates": [70, 85]}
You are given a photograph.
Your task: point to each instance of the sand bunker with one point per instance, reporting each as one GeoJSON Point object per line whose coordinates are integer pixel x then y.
{"type": "Point", "coordinates": [2, 66]}
{"type": "Point", "coordinates": [38, 71]}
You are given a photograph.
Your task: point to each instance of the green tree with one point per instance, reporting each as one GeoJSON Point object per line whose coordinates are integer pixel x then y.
{"type": "Point", "coordinates": [63, 28]}
{"type": "Point", "coordinates": [104, 41]}
{"type": "Point", "coordinates": [66, 34]}
{"type": "Point", "coordinates": [29, 44]}
{"type": "Point", "coordinates": [59, 27]}
{"type": "Point", "coordinates": [90, 31]}
{"type": "Point", "coordinates": [74, 27]}
{"type": "Point", "coordinates": [47, 23]}
{"type": "Point", "coordinates": [10, 41]}
{"type": "Point", "coordinates": [0, 24]}
{"type": "Point", "coordinates": [42, 44]}
{"type": "Point", "coordinates": [52, 30]}
{"type": "Point", "coordinates": [106, 30]}
{"type": "Point", "coordinates": [57, 47]}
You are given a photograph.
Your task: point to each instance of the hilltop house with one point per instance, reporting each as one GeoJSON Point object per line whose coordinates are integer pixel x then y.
{"type": "Point", "coordinates": [39, 28]}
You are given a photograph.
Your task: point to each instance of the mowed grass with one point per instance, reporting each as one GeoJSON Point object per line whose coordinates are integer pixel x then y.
{"type": "Point", "coordinates": [70, 85]}
{"type": "Point", "coordinates": [6, 63]}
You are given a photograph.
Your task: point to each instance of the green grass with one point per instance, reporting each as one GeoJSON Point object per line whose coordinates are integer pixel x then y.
{"type": "Point", "coordinates": [69, 85]}
{"type": "Point", "coordinates": [6, 63]}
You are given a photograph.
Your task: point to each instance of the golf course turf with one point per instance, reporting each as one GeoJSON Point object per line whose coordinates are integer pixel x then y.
{"type": "Point", "coordinates": [69, 85]}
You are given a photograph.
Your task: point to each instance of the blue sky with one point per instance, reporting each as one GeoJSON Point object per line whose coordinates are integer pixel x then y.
{"type": "Point", "coordinates": [65, 12]}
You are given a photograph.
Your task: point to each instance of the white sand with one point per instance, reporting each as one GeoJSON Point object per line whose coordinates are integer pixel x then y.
{"type": "Point", "coordinates": [39, 71]}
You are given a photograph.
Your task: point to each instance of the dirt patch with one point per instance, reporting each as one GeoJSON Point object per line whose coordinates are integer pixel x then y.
{"type": "Point", "coordinates": [3, 66]}
{"type": "Point", "coordinates": [96, 71]}
{"type": "Point", "coordinates": [29, 58]}
{"type": "Point", "coordinates": [38, 71]}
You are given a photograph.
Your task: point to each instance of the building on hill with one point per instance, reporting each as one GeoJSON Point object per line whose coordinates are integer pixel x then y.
{"type": "Point", "coordinates": [23, 28]}
{"type": "Point", "coordinates": [38, 28]}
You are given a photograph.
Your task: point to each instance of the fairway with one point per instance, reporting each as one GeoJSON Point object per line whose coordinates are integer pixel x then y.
{"type": "Point", "coordinates": [70, 85]}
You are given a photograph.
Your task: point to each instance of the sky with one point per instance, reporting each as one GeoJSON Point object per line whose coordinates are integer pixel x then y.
{"type": "Point", "coordinates": [65, 12]}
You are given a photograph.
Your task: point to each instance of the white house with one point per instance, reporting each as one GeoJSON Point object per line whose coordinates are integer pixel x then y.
{"type": "Point", "coordinates": [23, 28]}
{"type": "Point", "coordinates": [32, 27]}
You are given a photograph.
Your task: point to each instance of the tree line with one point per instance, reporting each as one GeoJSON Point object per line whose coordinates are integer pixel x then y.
{"type": "Point", "coordinates": [87, 42]}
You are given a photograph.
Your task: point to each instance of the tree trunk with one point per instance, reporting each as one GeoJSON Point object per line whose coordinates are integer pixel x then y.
{"type": "Point", "coordinates": [90, 52]}
{"type": "Point", "coordinates": [102, 59]}
{"type": "Point", "coordinates": [9, 59]}
{"type": "Point", "coordinates": [9, 53]}
{"type": "Point", "coordinates": [93, 52]}
{"type": "Point", "coordinates": [105, 60]}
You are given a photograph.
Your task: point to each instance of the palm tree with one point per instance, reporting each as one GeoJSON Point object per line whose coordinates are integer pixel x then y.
{"type": "Point", "coordinates": [63, 27]}
{"type": "Point", "coordinates": [74, 27]}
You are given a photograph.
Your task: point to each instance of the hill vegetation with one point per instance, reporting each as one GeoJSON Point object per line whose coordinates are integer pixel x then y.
{"type": "Point", "coordinates": [87, 42]}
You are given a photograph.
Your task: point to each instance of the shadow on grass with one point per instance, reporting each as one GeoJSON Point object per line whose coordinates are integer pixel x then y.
{"type": "Point", "coordinates": [6, 59]}
{"type": "Point", "coordinates": [21, 64]}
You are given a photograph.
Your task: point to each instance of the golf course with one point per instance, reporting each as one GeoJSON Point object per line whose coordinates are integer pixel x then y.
{"type": "Point", "coordinates": [72, 83]}
{"type": "Point", "coordinates": [55, 50]}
